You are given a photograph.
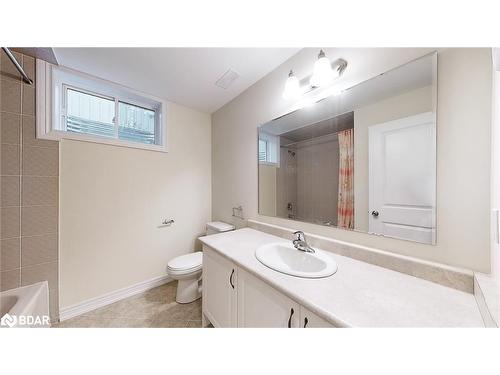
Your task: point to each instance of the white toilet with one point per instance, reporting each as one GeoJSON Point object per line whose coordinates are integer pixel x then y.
{"type": "Point", "coordinates": [187, 268]}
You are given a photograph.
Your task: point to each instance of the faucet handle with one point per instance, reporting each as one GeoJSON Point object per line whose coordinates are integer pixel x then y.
{"type": "Point", "coordinates": [300, 235]}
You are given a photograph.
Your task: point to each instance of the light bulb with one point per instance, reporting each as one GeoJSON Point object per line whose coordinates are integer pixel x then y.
{"type": "Point", "coordinates": [323, 73]}
{"type": "Point", "coordinates": [292, 87]}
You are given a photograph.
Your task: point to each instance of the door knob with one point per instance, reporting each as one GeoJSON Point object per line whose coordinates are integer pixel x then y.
{"type": "Point", "coordinates": [375, 213]}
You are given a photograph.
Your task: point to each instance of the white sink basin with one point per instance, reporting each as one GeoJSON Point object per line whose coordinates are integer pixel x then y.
{"type": "Point", "coordinates": [284, 258]}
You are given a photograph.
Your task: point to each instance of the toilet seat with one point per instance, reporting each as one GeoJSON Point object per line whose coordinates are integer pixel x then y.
{"type": "Point", "coordinates": [185, 264]}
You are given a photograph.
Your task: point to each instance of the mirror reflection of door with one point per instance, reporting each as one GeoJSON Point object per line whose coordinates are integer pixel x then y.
{"type": "Point", "coordinates": [402, 178]}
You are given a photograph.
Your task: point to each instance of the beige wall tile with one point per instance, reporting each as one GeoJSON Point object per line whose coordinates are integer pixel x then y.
{"type": "Point", "coordinates": [11, 160]}
{"type": "Point", "coordinates": [40, 272]}
{"type": "Point", "coordinates": [34, 258]}
{"type": "Point", "coordinates": [29, 66]}
{"type": "Point", "coordinates": [39, 220]}
{"type": "Point", "coordinates": [10, 222]}
{"type": "Point", "coordinates": [38, 249]}
{"type": "Point", "coordinates": [10, 191]}
{"type": "Point", "coordinates": [29, 134]}
{"type": "Point", "coordinates": [8, 71]}
{"type": "Point", "coordinates": [11, 96]}
{"type": "Point", "coordinates": [9, 280]}
{"type": "Point", "coordinates": [10, 254]}
{"type": "Point", "coordinates": [40, 191]}
{"type": "Point", "coordinates": [11, 128]}
{"type": "Point", "coordinates": [28, 95]}
{"type": "Point", "coordinates": [40, 161]}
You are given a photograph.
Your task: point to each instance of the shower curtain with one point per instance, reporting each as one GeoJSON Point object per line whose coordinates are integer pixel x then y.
{"type": "Point", "coordinates": [345, 210]}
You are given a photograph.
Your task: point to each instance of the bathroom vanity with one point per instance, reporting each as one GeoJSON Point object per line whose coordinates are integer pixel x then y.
{"type": "Point", "coordinates": [239, 291]}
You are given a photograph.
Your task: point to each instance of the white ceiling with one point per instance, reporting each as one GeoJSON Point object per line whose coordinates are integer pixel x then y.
{"type": "Point", "coordinates": [185, 76]}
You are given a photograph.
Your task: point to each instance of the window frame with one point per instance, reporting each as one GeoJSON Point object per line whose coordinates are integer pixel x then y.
{"type": "Point", "coordinates": [272, 156]}
{"type": "Point", "coordinates": [52, 83]}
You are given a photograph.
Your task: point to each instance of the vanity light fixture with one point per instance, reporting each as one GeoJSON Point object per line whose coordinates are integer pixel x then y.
{"type": "Point", "coordinates": [324, 73]}
{"type": "Point", "coordinates": [292, 87]}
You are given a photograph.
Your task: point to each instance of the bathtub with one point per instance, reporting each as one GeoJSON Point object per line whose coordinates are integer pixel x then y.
{"type": "Point", "coordinates": [27, 306]}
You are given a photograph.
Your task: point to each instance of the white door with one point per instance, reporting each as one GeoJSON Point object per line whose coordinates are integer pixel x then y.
{"type": "Point", "coordinates": [219, 289]}
{"type": "Point", "coordinates": [261, 306]}
{"type": "Point", "coordinates": [402, 178]}
{"type": "Point", "coordinates": [308, 319]}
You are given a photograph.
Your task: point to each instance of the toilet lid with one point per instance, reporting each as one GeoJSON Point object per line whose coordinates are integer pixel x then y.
{"type": "Point", "coordinates": [220, 226]}
{"type": "Point", "coordinates": [188, 261]}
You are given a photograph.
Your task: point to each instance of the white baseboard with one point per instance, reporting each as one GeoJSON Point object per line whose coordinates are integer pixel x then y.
{"type": "Point", "coordinates": [106, 299]}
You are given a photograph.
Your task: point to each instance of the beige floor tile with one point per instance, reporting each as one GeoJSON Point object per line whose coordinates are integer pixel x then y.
{"type": "Point", "coordinates": [164, 323]}
{"type": "Point", "coordinates": [194, 324]}
{"type": "Point", "coordinates": [155, 308]}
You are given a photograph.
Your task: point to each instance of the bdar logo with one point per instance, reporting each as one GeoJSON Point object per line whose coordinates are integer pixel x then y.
{"type": "Point", "coordinates": [8, 320]}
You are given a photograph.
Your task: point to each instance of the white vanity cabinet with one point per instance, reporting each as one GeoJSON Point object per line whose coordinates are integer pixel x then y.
{"type": "Point", "coordinates": [261, 306]}
{"type": "Point", "coordinates": [219, 289]}
{"type": "Point", "coordinates": [233, 297]}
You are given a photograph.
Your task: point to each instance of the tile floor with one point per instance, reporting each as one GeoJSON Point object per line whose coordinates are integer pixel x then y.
{"type": "Point", "coordinates": [155, 308]}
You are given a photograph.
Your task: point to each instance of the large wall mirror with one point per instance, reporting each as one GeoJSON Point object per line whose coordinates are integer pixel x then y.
{"type": "Point", "coordinates": [362, 160]}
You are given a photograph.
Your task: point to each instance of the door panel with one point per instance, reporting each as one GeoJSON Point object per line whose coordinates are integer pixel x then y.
{"type": "Point", "coordinates": [402, 178]}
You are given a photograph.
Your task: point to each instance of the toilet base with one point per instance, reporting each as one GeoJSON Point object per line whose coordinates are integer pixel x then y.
{"type": "Point", "coordinates": [188, 291]}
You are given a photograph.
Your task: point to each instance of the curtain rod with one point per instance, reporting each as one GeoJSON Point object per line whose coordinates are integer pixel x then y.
{"type": "Point", "coordinates": [18, 67]}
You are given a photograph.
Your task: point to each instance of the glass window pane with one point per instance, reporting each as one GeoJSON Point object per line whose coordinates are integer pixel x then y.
{"type": "Point", "coordinates": [89, 114]}
{"type": "Point", "coordinates": [137, 124]}
{"type": "Point", "coordinates": [262, 150]}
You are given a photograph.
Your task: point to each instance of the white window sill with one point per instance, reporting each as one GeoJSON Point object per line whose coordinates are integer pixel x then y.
{"type": "Point", "coordinates": [57, 135]}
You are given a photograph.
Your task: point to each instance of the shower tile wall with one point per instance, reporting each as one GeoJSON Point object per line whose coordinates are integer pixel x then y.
{"type": "Point", "coordinates": [318, 180]}
{"type": "Point", "coordinates": [308, 178]}
{"type": "Point", "coordinates": [29, 188]}
{"type": "Point", "coordinates": [286, 184]}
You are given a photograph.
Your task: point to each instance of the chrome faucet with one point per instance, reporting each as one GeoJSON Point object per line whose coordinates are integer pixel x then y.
{"type": "Point", "coordinates": [300, 242]}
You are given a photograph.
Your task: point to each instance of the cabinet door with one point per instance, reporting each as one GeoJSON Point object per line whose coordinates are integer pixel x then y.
{"type": "Point", "coordinates": [308, 319]}
{"type": "Point", "coordinates": [260, 305]}
{"type": "Point", "coordinates": [219, 289]}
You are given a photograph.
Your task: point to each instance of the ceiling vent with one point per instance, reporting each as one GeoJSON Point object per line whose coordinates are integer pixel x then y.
{"type": "Point", "coordinates": [227, 79]}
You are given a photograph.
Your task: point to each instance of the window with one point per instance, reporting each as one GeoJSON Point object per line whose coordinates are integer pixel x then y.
{"type": "Point", "coordinates": [269, 149]}
{"type": "Point", "coordinates": [89, 114]}
{"type": "Point", "coordinates": [90, 109]}
{"type": "Point", "coordinates": [136, 124]}
{"type": "Point", "coordinates": [262, 150]}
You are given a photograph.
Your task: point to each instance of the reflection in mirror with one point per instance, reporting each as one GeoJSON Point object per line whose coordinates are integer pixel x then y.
{"type": "Point", "coordinates": [362, 160]}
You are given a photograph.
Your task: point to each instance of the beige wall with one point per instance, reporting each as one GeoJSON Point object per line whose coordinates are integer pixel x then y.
{"type": "Point", "coordinates": [495, 176]}
{"type": "Point", "coordinates": [112, 200]}
{"type": "Point", "coordinates": [463, 149]}
{"type": "Point", "coordinates": [29, 185]}
{"type": "Point", "coordinates": [407, 104]}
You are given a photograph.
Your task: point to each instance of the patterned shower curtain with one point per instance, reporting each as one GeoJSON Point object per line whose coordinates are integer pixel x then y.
{"type": "Point", "coordinates": [345, 210]}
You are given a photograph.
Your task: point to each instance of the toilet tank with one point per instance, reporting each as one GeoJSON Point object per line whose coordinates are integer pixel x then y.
{"type": "Point", "coordinates": [215, 227]}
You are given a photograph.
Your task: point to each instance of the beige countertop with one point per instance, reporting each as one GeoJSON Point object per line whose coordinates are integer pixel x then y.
{"type": "Point", "coordinates": [358, 294]}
